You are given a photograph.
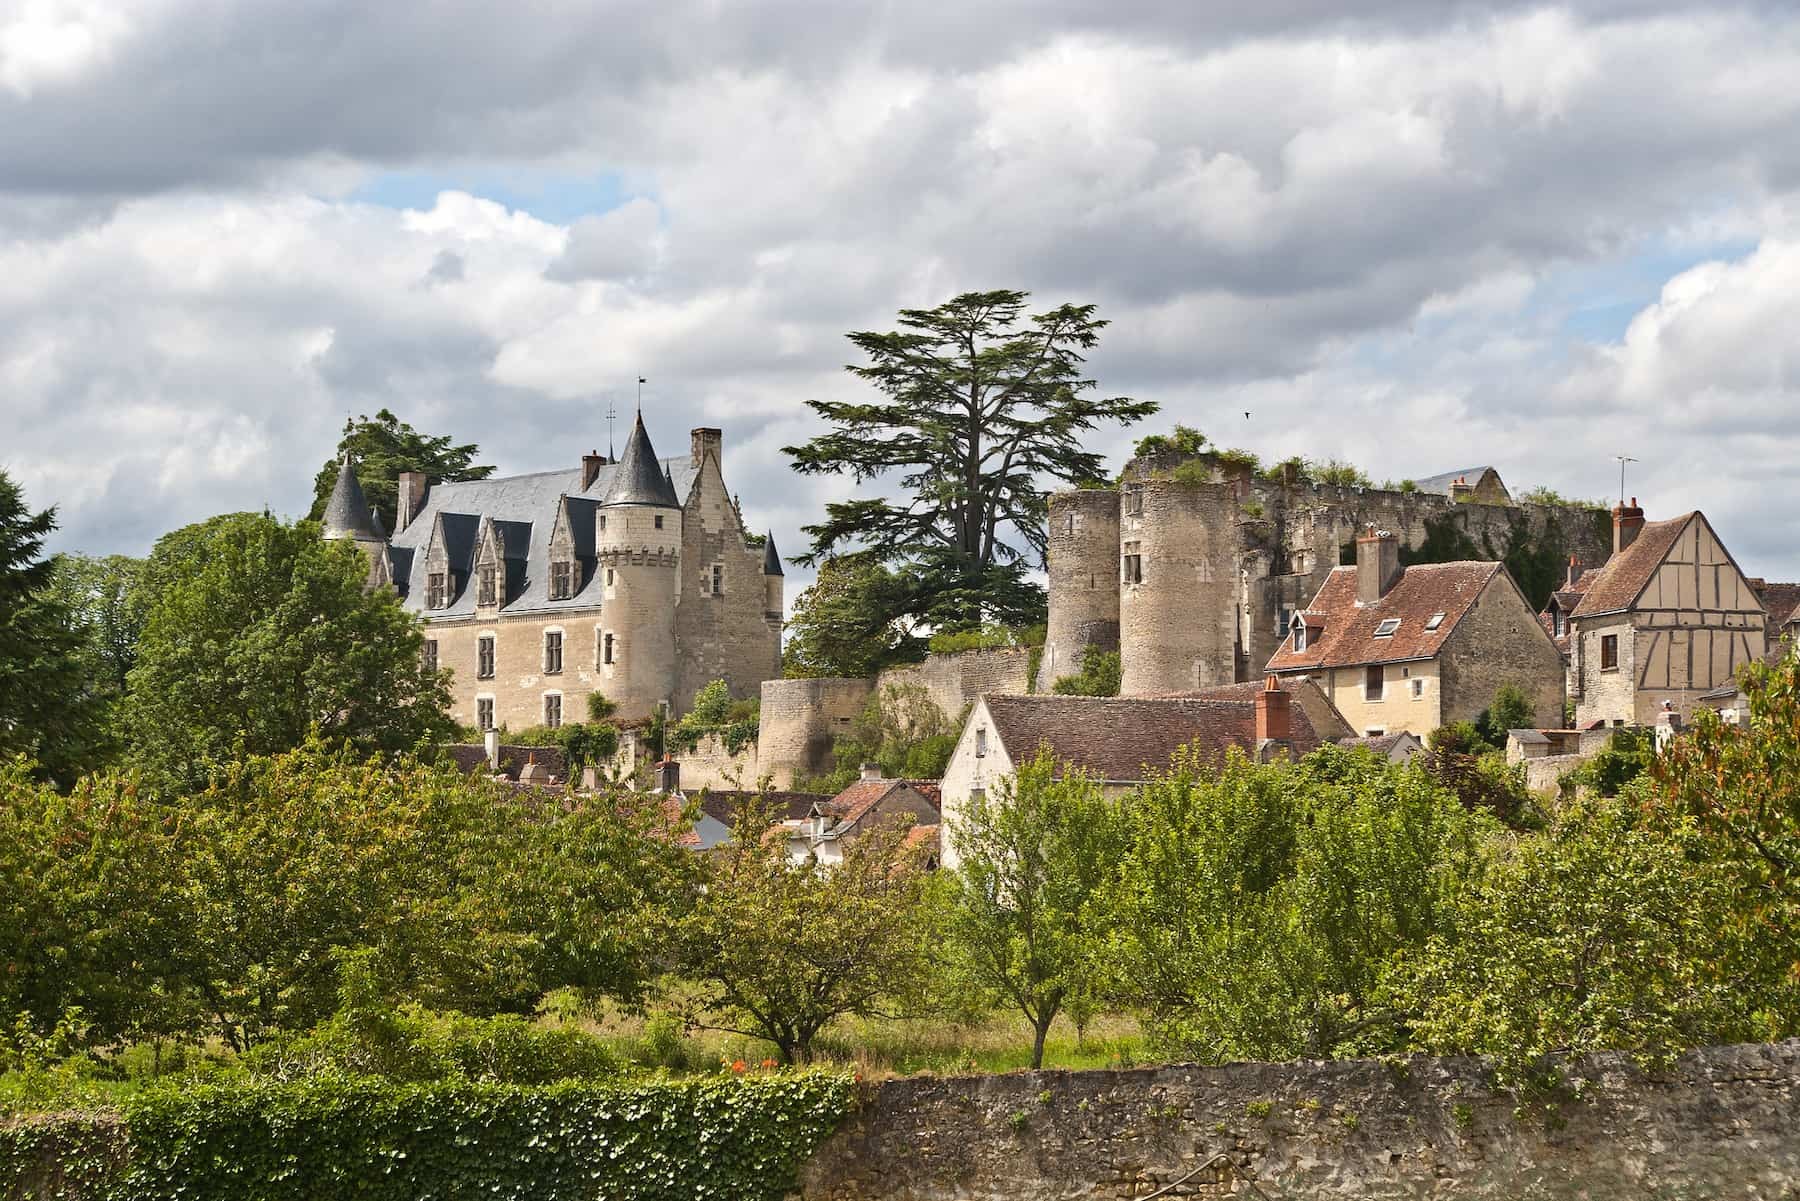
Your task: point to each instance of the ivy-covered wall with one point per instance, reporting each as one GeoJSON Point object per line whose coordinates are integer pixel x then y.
{"type": "Point", "coordinates": [331, 1139]}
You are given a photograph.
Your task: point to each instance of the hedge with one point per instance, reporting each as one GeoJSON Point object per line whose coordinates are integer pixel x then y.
{"type": "Point", "coordinates": [325, 1139]}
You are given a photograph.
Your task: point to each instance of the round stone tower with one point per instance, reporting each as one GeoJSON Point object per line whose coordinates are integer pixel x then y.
{"type": "Point", "coordinates": [1083, 564]}
{"type": "Point", "coordinates": [638, 544]}
{"type": "Point", "coordinates": [1178, 595]}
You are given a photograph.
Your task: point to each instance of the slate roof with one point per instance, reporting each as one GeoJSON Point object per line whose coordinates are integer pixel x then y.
{"type": "Point", "coordinates": [1348, 639]}
{"type": "Point", "coordinates": [724, 804]}
{"type": "Point", "coordinates": [347, 513]}
{"type": "Point", "coordinates": [1116, 738]}
{"type": "Point", "coordinates": [1623, 577]}
{"type": "Point", "coordinates": [530, 500]}
{"type": "Point", "coordinates": [636, 480]}
{"type": "Point", "coordinates": [1382, 744]}
{"type": "Point", "coordinates": [1441, 483]}
{"type": "Point", "coordinates": [771, 558]}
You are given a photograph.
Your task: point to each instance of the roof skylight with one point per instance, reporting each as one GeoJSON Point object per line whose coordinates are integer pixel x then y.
{"type": "Point", "coordinates": [1437, 619]}
{"type": "Point", "coordinates": [1387, 627]}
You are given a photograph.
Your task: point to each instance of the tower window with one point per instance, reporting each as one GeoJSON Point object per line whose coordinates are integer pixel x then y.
{"type": "Point", "coordinates": [659, 521]}
{"type": "Point", "coordinates": [553, 709]}
{"type": "Point", "coordinates": [718, 578]}
{"type": "Point", "coordinates": [489, 593]}
{"type": "Point", "coordinates": [1132, 569]}
{"type": "Point", "coordinates": [553, 652]}
{"type": "Point", "coordinates": [609, 577]}
{"type": "Point", "coordinates": [606, 649]}
{"type": "Point", "coordinates": [484, 713]}
{"type": "Point", "coordinates": [1134, 502]}
{"type": "Point", "coordinates": [484, 657]}
{"type": "Point", "coordinates": [560, 576]}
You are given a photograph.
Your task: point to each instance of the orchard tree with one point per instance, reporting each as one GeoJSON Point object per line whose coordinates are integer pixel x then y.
{"type": "Point", "coordinates": [384, 447]}
{"type": "Point", "coordinates": [980, 408]}
{"type": "Point", "coordinates": [778, 950]}
{"type": "Point", "coordinates": [257, 632]}
{"type": "Point", "coordinates": [1023, 923]}
{"type": "Point", "coordinates": [46, 712]}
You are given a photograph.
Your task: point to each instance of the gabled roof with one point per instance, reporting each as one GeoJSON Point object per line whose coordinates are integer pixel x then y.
{"type": "Point", "coordinates": [1565, 599]}
{"type": "Point", "coordinates": [347, 513]}
{"type": "Point", "coordinates": [1441, 483]}
{"type": "Point", "coordinates": [1622, 580]}
{"type": "Point", "coordinates": [1306, 694]}
{"type": "Point", "coordinates": [1420, 593]}
{"type": "Point", "coordinates": [1783, 603]}
{"type": "Point", "coordinates": [1117, 738]}
{"type": "Point", "coordinates": [855, 802]}
{"type": "Point", "coordinates": [638, 479]}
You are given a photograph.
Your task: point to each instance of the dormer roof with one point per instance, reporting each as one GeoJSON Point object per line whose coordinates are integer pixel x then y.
{"type": "Point", "coordinates": [347, 513]}
{"type": "Point", "coordinates": [639, 479]}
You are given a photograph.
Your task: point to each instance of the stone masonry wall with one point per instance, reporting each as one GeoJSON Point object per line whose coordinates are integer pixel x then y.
{"type": "Point", "coordinates": [800, 722]}
{"type": "Point", "coordinates": [1500, 642]}
{"type": "Point", "coordinates": [954, 681]}
{"type": "Point", "coordinates": [1721, 1123]}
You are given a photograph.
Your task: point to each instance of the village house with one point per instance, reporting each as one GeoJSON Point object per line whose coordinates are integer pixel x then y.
{"type": "Point", "coordinates": [1413, 648]}
{"type": "Point", "coordinates": [1669, 617]}
{"type": "Point", "coordinates": [633, 579]}
{"type": "Point", "coordinates": [867, 803]}
{"type": "Point", "coordinates": [1120, 741]}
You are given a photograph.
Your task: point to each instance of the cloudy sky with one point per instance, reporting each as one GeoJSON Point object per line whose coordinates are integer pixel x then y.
{"type": "Point", "coordinates": [1435, 235]}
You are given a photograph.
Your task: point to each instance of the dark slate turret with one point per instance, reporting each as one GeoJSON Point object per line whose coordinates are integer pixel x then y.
{"type": "Point", "coordinates": [639, 478]}
{"type": "Point", "coordinates": [771, 558]}
{"type": "Point", "coordinates": [347, 513]}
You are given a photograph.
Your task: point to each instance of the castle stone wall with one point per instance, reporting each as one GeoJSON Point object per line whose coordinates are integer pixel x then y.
{"type": "Point", "coordinates": [1084, 577]}
{"type": "Point", "coordinates": [954, 681]}
{"type": "Point", "coordinates": [1720, 1123]}
{"type": "Point", "coordinates": [800, 722]}
{"type": "Point", "coordinates": [1178, 625]}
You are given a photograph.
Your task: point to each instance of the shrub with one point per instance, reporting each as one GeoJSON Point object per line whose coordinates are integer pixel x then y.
{"type": "Point", "coordinates": [1099, 675]}
{"type": "Point", "coordinates": [1185, 441]}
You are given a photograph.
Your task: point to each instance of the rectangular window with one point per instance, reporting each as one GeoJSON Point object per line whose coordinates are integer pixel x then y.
{"type": "Point", "coordinates": [1374, 731]}
{"type": "Point", "coordinates": [1131, 567]}
{"type": "Point", "coordinates": [553, 709]}
{"type": "Point", "coordinates": [659, 521]}
{"type": "Point", "coordinates": [553, 652]}
{"type": "Point", "coordinates": [1284, 621]}
{"type": "Point", "coordinates": [1609, 652]}
{"type": "Point", "coordinates": [559, 580]}
{"type": "Point", "coordinates": [980, 742]}
{"type": "Point", "coordinates": [1561, 622]}
{"type": "Point", "coordinates": [488, 594]}
{"type": "Point", "coordinates": [430, 655]}
{"type": "Point", "coordinates": [1134, 502]}
{"type": "Point", "coordinates": [484, 657]}
{"type": "Point", "coordinates": [718, 578]}
{"type": "Point", "coordinates": [437, 591]}
{"type": "Point", "coordinates": [1418, 689]}
{"type": "Point", "coordinates": [606, 654]}
{"type": "Point", "coordinates": [1387, 628]}
{"type": "Point", "coordinates": [1374, 680]}
{"type": "Point", "coordinates": [484, 713]}
{"type": "Point", "coordinates": [1299, 635]}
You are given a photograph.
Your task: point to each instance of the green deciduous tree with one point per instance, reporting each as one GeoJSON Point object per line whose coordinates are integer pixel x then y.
{"type": "Point", "coordinates": [980, 409]}
{"type": "Point", "coordinates": [46, 711]}
{"type": "Point", "coordinates": [902, 729]}
{"type": "Point", "coordinates": [1099, 675]}
{"type": "Point", "coordinates": [384, 447]}
{"type": "Point", "coordinates": [1022, 918]}
{"type": "Point", "coordinates": [1259, 906]}
{"type": "Point", "coordinates": [256, 632]}
{"type": "Point", "coordinates": [778, 950]}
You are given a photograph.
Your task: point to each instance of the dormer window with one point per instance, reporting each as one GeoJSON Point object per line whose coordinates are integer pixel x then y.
{"type": "Point", "coordinates": [1436, 620]}
{"type": "Point", "coordinates": [1388, 628]}
{"type": "Point", "coordinates": [1299, 635]}
{"type": "Point", "coordinates": [561, 576]}
{"type": "Point", "coordinates": [437, 590]}
{"type": "Point", "coordinates": [488, 593]}
{"type": "Point", "coordinates": [1561, 621]}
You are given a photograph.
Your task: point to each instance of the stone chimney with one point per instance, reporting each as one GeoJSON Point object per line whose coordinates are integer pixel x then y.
{"type": "Point", "coordinates": [412, 488]}
{"type": "Point", "coordinates": [1574, 572]}
{"type": "Point", "coordinates": [1274, 722]}
{"type": "Point", "coordinates": [491, 742]}
{"type": "Point", "coordinates": [703, 442]}
{"type": "Point", "coordinates": [871, 771]}
{"type": "Point", "coordinates": [668, 775]}
{"type": "Point", "coordinates": [1377, 565]}
{"type": "Point", "coordinates": [1628, 521]}
{"type": "Point", "coordinates": [591, 463]}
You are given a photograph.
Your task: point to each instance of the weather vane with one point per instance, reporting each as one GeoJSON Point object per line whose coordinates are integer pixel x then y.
{"type": "Point", "coordinates": [640, 394]}
{"type": "Point", "coordinates": [612, 415]}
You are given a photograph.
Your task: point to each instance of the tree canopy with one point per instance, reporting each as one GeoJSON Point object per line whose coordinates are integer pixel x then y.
{"type": "Point", "coordinates": [257, 632]}
{"type": "Point", "coordinates": [385, 446]}
{"type": "Point", "coordinates": [980, 409]}
{"type": "Point", "coordinates": [845, 623]}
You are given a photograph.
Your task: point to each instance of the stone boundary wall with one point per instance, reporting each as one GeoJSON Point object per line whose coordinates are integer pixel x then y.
{"type": "Point", "coordinates": [954, 681]}
{"type": "Point", "coordinates": [710, 765]}
{"type": "Point", "coordinates": [1721, 1123]}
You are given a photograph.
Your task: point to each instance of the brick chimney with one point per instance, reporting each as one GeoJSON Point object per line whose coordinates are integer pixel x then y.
{"type": "Point", "coordinates": [668, 775]}
{"type": "Point", "coordinates": [1574, 572]}
{"type": "Point", "coordinates": [591, 463]}
{"type": "Point", "coordinates": [1274, 721]}
{"type": "Point", "coordinates": [703, 442]}
{"type": "Point", "coordinates": [1377, 565]}
{"type": "Point", "coordinates": [1628, 521]}
{"type": "Point", "coordinates": [412, 488]}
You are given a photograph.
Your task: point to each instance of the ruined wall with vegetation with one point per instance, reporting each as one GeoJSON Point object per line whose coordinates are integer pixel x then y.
{"type": "Point", "coordinates": [1718, 1123]}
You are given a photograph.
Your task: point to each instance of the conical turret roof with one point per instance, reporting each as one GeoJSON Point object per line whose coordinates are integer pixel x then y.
{"type": "Point", "coordinates": [347, 513]}
{"type": "Point", "coordinates": [639, 478]}
{"type": "Point", "coordinates": [771, 558]}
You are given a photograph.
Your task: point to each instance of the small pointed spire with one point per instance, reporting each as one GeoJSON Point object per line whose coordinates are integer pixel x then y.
{"type": "Point", "coordinates": [771, 558]}
{"type": "Point", "coordinates": [347, 513]}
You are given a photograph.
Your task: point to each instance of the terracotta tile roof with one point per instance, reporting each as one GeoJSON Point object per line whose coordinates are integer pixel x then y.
{"type": "Point", "coordinates": [853, 804]}
{"type": "Point", "coordinates": [1566, 599]}
{"type": "Point", "coordinates": [723, 805]}
{"type": "Point", "coordinates": [1348, 638]}
{"type": "Point", "coordinates": [1626, 573]}
{"type": "Point", "coordinates": [1327, 722]}
{"type": "Point", "coordinates": [1115, 738]}
{"type": "Point", "coordinates": [1783, 603]}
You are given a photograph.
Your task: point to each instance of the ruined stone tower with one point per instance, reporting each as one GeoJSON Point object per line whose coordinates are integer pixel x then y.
{"type": "Point", "coordinates": [1084, 576]}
